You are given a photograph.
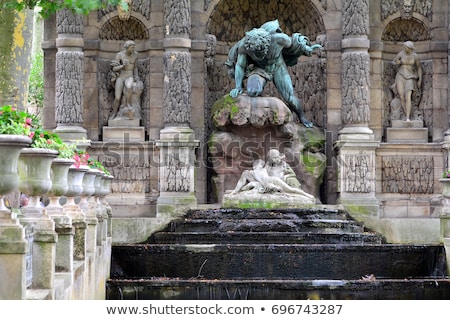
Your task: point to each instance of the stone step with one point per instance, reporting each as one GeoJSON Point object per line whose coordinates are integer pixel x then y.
{"type": "Point", "coordinates": [371, 288]}
{"type": "Point", "coordinates": [276, 261]}
{"type": "Point", "coordinates": [264, 225]}
{"type": "Point", "coordinates": [265, 237]}
{"type": "Point", "coordinates": [328, 213]}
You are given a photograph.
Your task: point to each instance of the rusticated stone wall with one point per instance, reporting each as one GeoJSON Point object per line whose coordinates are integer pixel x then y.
{"type": "Point", "coordinates": [343, 85]}
{"type": "Point", "coordinates": [408, 174]}
{"type": "Point", "coordinates": [231, 19]}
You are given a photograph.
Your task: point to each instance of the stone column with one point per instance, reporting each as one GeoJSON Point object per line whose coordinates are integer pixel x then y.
{"type": "Point", "coordinates": [69, 75]}
{"type": "Point", "coordinates": [177, 143]}
{"type": "Point", "coordinates": [356, 143]}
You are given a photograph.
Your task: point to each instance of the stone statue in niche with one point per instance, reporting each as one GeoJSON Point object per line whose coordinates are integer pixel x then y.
{"type": "Point", "coordinates": [263, 55]}
{"type": "Point", "coordinates": [407, 86]}
{"type": "Point", "coordinates": [128, 86]}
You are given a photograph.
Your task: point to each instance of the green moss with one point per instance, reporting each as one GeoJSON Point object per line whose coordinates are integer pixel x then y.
{"type": "Point", "coordinates": [360, 210]}
{"type": "Point", "coordinates": [225, 104]}
{"type": "Point", "coordinates": [313, 164]}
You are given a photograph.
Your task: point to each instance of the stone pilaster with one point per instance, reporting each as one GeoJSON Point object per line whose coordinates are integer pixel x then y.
{"type": "Point", "coordinates": [177, 143]}
{"type": "Point", "coordinates": [69, 75]}
{"type": "Point", "coordinates": [356, 143]}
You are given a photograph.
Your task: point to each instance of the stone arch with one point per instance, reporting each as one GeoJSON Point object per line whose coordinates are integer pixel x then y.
{"type": "Point", "coordinates": [112, 33]}
{"type": "Point", "coordinates": [116, 29]}
{"type": "Point", "coordinates": [397, 30]}
{"type": "Point", "coordinates": [400, 30]}
{"type": "Point", "coordinates": [229, 20]}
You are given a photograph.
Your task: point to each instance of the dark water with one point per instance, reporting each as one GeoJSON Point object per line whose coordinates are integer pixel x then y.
{"type": "Point", "coordinates": [282, 254]}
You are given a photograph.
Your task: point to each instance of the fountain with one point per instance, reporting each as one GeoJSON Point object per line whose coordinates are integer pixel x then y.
{"type": "Point", "coordinates": [272, 238]}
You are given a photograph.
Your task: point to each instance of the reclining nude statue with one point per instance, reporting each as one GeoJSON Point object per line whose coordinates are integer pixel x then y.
{"type": "Point", "coordinates": [258, 180]}
{"type": "Point", "coordinates": [264, 55]}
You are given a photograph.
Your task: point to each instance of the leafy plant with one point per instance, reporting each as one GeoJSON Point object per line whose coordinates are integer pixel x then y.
{"type": "Point", "coordinates": [14, 121]}
{"type": "Point", "coordinates": [446, 174]}
{"type": "Point", "coordinates": [48, 7]}
{"type": "Point", "coordinates": [95, 164]}
{"type": "Point", "coordinates": [45, 139]}
{"type": "Point", "coordinates": [81, 158]}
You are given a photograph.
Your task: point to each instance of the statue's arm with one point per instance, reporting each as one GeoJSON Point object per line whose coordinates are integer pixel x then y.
{"type": "Point", "coordinates": [116, 64]}
{"type": "Point", "coordinates": [300, 46]}
{"type": "Point", "coordinates": [398, 59]}
{"type": "Point", "coordinates": [239, 73]}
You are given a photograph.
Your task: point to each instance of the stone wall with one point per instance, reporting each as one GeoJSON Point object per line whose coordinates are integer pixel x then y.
{"type": "Point", "coordinates": [347, 85]}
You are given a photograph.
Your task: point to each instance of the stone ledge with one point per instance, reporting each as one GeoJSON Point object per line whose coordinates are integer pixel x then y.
{"type": "Point", "coordinates": [266, 200]}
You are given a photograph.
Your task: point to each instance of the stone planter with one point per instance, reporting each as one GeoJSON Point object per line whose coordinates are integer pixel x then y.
{"type": "Point", "coordinates": [59, 175]}
{"type": "Point", "coordinates": [88, 190]}
{"type": "Point", "coordinates": [13, 244]}
{"type": "Point", "coordinates": [106, 186]}
{"type": "Point", "coordinates": [75, 183]}
{"type": "Point", "coordinates": [72, 209]}
{"type": "Point", "coordinates": [10, 147]}
{"type": "Point", "coordinates": [34, 176]}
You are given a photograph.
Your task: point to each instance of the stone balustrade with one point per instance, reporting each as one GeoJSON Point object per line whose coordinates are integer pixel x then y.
{"type": "Point", "coordinates": [70, 258]}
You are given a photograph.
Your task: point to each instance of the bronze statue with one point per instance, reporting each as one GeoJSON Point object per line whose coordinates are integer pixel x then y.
{"type": "Point", "coordinates": [264, 55]}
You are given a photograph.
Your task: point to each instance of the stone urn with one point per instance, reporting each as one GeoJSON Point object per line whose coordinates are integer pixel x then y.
{"type": "Point", "coordinates": [59, 175]}
{"type": "Point", "coordinates": [105, 186]}
{"type": "Point", "coordinates": [75, 182]}
{"type": "Point", "coordinates": [35, 180]}
{"type": "Point", "coordinates": [10, 148]}
{"type": "Point", "coordinates": [88, 188]}
{"type": "Point", "coordinates": [98, 186]}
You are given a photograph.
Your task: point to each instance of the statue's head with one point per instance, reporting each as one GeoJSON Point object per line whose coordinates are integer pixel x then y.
{"type": "Point", "coordinates": [409, 45]}
{"type": "Point", "coordinates": [274, 156]}
{"type": "Point", "coordinates": [257, 43]}
{"type": "Point", "coordinates": [129, 43]}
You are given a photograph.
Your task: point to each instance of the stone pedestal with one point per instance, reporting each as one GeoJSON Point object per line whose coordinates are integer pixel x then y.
{"type": "Point", "coordinates": [13, 249]}
{"type": "Point", "coordinates": [64, 246]}
{"type": "Point", "coordinates": [123, 130]}
{"type": "Point", "coordinates": [44, 250]}
{"type": "Point", "coordinates": [246, 200]}
{"type": "Point", "coordinates": [407, 132]}
{"type": "Point", "coordinates": [356, 170]}
{"type": "Point", "coordinates": [71, 133]}
{"type": "Point", "coordinates": [177, 171]}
